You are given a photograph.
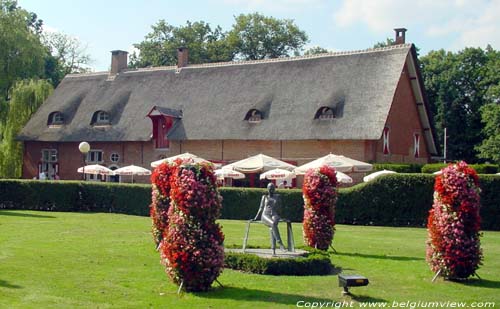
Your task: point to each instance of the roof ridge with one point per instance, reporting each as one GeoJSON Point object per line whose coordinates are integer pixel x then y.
{"type": "Point", "coordinates": [248, 62]}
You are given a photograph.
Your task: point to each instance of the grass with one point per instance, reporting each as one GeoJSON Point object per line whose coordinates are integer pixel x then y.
{"type": "Point", "coordinates": [83, 260]}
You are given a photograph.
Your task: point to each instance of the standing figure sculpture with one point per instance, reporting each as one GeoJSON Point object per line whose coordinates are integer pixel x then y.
{"type": "Point", "coordinates": [269, 205]}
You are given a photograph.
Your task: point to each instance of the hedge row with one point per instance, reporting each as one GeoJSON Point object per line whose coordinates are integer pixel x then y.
{"type": "Point", "coordinates": [392, 200]}
{"type": "Point", "coordinates": [431, 168]}
{"type": "Point", "coordinates": [130, 199]}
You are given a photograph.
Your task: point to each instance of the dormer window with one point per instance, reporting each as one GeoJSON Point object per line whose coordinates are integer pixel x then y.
{"type": "Point", "coordinates": [253, 116]}
{"type": "Point", "coordinates": [55, 118]}
{"type": "Point", "coordinates": [101, 118]}
{"type": "Point", "coordinates": [325, 113]}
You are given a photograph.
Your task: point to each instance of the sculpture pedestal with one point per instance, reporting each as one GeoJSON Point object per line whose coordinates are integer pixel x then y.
{"type": "Point", "coordinates": [268, 253]}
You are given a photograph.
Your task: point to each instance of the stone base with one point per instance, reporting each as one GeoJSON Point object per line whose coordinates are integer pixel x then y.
{"type": "Point", "coordinates": [268, 253]}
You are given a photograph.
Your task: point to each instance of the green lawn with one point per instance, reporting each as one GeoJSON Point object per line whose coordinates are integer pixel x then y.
{"type": "Point", "coordinates": [68, 260]}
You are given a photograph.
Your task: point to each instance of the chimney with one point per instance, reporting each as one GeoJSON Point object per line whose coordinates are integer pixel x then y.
{"type": "Point", "coordinates": [182, 57]}
{"type": "Point", "coordinates": [400, 36]}
{"type": "Point", "coordinates": [118, 61]}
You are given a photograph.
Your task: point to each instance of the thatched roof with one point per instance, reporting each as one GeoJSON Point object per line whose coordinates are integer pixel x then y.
{"type": "Point", "coordinates": [214, 99]}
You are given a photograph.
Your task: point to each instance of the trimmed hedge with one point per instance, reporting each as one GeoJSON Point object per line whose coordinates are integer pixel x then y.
{"type": "Point", "coordinates": [398, 167]}
{"type": "Point", "coordinates": [392, 200]}
{"type": "Point", "coordinates": [313, 264]}
{"type": "Point", "coordinates": [130, 199]}
{"type": "Point", "coordinates": [479, 168]}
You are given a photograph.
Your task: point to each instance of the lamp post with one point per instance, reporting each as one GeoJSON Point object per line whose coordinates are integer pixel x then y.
{"type": "Point", "coordinates": [84, 148]}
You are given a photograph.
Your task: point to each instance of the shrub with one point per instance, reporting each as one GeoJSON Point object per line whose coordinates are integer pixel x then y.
{"type": "Point", "coordinates": [320, 194]}
{"type": "Point", "coordinates": [453, 246]}
{"type": "Point", "coordinates": [192, 250]}
{"type": "Point", "coordinates": [312, 264]}
{"type": "Point", "coordinates": [433, 167]}
{"type": "Point", "coordinates": [479, 168]}
{"type": "Point", "coordinates": [398, 167]}
{"type": "Point", "coordinates": [392, 200]}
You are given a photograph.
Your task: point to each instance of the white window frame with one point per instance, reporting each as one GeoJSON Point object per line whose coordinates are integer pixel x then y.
{"type": "Point", "coordinates": [114, 154]}
{"type": "Point", "coordinates": [102, 117]}
{"type": "Point", "coordinates": [386, 150]}
{"type": "Point", "coordinates": [51, 157]}
{"type": "Point", "coordinates": [93, 153]}
{"type": "Point", "coordinates": [416, 145]}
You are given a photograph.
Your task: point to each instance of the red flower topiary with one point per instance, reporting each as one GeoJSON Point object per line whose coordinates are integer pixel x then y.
{"type": "Point", "coordinates": [160, 196]}
{"type": "Point", "coordinates": [320, 194]}
{"type": "Point", "coordinates": [191, 249]}
{"type": "Point", "coordinates": [453, 246]}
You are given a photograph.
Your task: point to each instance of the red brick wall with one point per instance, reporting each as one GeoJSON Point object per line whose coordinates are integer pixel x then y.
{"type": "Point", "coordinates": [403, 121]}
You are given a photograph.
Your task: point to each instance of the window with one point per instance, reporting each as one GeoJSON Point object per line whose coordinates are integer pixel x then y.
{"type": "Point", "coordinates": [386, 149]}
{"type": "Point", "coordinates": [101, 118]}
{"type": "Point", "coordinates": [253, 116]}
{"type": "Point", "coordinates": [55, 118]}
{"type": "Point", "coordinates": [49, 155]}
{"type": "Point", "coordinates": [94, 156]}
{"type": "Point", "coordinates": [325, 113]}
{"type": "Point", "coordinates": [416, 145]}
{"type": "Point", "coordinates": [114, 157]}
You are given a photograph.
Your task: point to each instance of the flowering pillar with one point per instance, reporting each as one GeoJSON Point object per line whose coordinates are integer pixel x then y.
{"type": "Point", "coordinates": [320, 194]}
{"type": "Point", "coordinates": [192, 250]}
{"type": "Point", "coordinates": [453, 246]}
{"type": "Point", "coordinates": [160, 196]}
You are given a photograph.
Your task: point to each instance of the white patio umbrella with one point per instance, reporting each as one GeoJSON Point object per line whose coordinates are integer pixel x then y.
{"type": "Point", "coordinates": [343, 178]}
{"type": "Point", "coordinates": [95, 169]}
{"type": "Point", "coordinates": [377, 174]}
{"type": "Point", "coordinates": [132, 170]}
{"type": "Point", "coordinates": [181, 156]}
{"type": "Point", "coordinates": [259, 163]}
{"type": "Point", "coordinates": [340, 163]}
{"type": "Point", "coordinates": [227, 173]}
{"type": "Point", "coordinates": [277, 173]}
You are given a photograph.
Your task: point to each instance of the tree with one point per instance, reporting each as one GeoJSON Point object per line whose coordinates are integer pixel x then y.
{"type": "Point", "coordinates": [21, 54]}
{"type": "Point", "coordinates": [316, 50]}
{"type": "Point", "coordinates": [68, 51]}
{"type": "Point", "coordinates": [26, 97]}
{"type": "Point", "coordinates": [388, 42]}
{"type": "Point", "coordinates": [255, 36]}
{"type": "Point", "coordinates": [252, 37]}
{"type": "Point", "coordinates": [160, 46]}
{"type": "Point", "coordinates": [490, 147]}
{"type": "Point", "coordinates": [457, 86]}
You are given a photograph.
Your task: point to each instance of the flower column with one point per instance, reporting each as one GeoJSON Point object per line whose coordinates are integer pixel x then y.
{"type": "Point", "coordinates": [193, 251]}
{"type": "Point", "coordinates": [320, 194]}
{"type": "Point", "coordinates": [453, 246]}
{"type": "Point", "coordinates": [160, 195]}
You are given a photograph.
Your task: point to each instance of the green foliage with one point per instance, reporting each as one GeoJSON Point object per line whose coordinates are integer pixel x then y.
{"type": "Point", "coordinates": [253, 36]}
{"type": "Point", "coordinates": [479, 168]}
{"type": "Point", "coordinates": [316, 50]}
{"type": "Point", "coordinates": [490, 147]}
{"type": "Point", "coordinates": [21, 53]}
{"type": "Point", "coordinates": [312, 264]}
{"type": "Point", "coordinates": [391, 200]}
{"type": "Point", "coordinates": [26, 97]}
{"type": "Point", "coordinates": [68, 52]}
{"type": "Point", "coordinates": [458, 85]}
{"type": "Point", "coordinates": [398, 167]}
{"type": "Point", "coordinates": [256, 36]}
{"type": "Point", "coordinates": [433, 167]}
{"type": "Point", "coordinates": [388, 42]}
{"type": "Point", "coordinates": [159, 47]}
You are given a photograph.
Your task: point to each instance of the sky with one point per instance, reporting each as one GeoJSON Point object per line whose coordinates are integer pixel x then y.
{"type": "Point", "coordinates": [337, 25]}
